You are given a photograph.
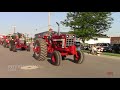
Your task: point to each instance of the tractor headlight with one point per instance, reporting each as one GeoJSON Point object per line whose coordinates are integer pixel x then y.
{"type": "Point", "coordinates": [67, 36]}
{"type": "Point", "coordinates": [73, 36]}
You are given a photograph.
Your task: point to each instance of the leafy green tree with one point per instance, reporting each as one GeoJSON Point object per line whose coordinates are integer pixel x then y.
{"type": "Point", "coordinates": [87, 25]}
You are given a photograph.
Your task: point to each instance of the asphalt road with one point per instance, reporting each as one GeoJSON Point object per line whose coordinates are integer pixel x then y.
{"type": "Point", "coordinates": [21, 64]}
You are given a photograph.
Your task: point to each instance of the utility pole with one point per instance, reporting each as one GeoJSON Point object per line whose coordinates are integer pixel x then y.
{"type": "Point", "coordinates": [14, 27]}
{"type": "Point", "coordinates": [49, 21]}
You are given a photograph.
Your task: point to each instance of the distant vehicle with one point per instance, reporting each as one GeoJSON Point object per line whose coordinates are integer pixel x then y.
{"type": "Point", "coordinates": [1, 39]}
{"type": "Point", "coordinates": [79, 45]}
{"type": "Point", "coordinates": [103, 46]}
{"type": "Point", "coordinates": [115, 48]}
{"type": "Point", "coordinates": [18, 41]}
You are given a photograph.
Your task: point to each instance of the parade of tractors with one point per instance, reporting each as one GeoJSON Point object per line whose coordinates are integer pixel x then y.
{"type": "Point", "coordinates": [54, 45]}
{"type": "Point", "coordinates": [14, 42]}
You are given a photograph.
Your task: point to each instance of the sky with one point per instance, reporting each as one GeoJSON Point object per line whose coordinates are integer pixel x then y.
{"type": "Point", "coordinates": [36, 22]}
{"type": "Point", "coordinates": [115, 27]}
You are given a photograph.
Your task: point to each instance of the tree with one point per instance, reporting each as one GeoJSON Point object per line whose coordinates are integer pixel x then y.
{"type": "Point", "coordinates": [88, 24]}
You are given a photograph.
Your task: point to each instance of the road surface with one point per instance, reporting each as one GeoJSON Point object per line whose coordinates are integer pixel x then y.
{"type": "Point", "coordinates": [21, 64]}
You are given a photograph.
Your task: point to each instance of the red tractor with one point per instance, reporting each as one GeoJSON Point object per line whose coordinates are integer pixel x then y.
{"type": "Point", "coordinates": [58, 46]}
{"type": "Point", "coordinates": [18, 42]}
{"type": "Point", "coordinates": [2, 39]}
{"type": "Point", "coordinates": [6, 41]}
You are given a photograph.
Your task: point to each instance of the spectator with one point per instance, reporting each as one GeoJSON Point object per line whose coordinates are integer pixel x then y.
{"type": "Point", "coordinates": [94, 50]}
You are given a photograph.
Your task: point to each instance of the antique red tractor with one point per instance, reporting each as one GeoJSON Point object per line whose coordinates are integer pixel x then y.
{"type": "Point", "coordinates": [2, 39]}
{"type": "Point", "coordinates": [6, 41]}
{"type": "Point", "coordinates": [18, 42]}
{"type": "Point", "coordinates": [58, 46]}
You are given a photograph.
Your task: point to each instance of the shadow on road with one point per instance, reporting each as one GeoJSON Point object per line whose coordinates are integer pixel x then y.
{"type": "Point", "coordinates": [70, 60]}
{"type": "Point", "coordinates": [50, 61]}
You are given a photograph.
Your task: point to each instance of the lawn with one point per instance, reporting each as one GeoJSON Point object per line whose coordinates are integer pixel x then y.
{"type": "Point", "coordinates": [111, 54]}
{"type": "Point", "coordinates": [105, 53]}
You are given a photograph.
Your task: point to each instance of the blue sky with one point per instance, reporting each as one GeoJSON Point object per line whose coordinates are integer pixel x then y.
{"type": "Point", "coordinates": [28, 22]}
{"type": "Point", "coordinates": [115, 30]}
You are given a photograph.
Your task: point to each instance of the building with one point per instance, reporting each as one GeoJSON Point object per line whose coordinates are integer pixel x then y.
{"type": "Point", "coordinates": [99, 40]}
{"type": "Point", "coordinates": [115, 40]}
{"type": "Point", "coordinates": [110, 40]}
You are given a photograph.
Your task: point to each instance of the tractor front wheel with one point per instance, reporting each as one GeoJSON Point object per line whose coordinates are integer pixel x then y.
{"type": "Point", "coordinates": [79, 57]}
{"type": "Point", "coordinates": [56, 58]}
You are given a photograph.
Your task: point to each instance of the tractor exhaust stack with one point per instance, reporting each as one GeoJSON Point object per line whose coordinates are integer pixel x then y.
{"type": "Point", "coordinates": [58, 28]}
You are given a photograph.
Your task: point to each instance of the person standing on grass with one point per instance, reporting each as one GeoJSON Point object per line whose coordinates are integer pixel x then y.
{"type": "Point", "coordinates": [94, 49]}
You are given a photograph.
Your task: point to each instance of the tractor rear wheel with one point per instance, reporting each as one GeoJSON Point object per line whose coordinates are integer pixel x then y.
{"type": "Point", "coordinates": [56, 58]}
{"type": "Point", "coordinates": [11, 44]}
{"type": "Point", "coordinates": [41, 49]}
{"type": "Point", "coordinates": [4, 44]}
{"type": "Point", "coordinates": [79, 57]}
{"type": "Point", "coordinates": [10, 47]}
{"type": "Point", "coordinates": [14, 48]}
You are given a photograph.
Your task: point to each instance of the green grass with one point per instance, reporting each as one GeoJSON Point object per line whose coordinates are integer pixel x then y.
{"type": "Point", "coordinates": [111, 54]}
{"type": "Point", "coordinates": [106, 53]}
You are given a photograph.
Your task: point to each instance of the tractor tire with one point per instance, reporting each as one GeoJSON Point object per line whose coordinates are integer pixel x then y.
{"type": "Point", "coordinates": [63, 57]}
{"type": "Point", "coordinates": [14, 48]}
{"type": "Point", "coordinates": [10, 47]}
{"type": "Point", "coordinates": [42, 55]}
{"type": "Point", "coordinates": [4, 44]}
{"type": "Point", "coordinates": [80, 58]}
{"type": "Point", "coordinates": [11, 44]}
{"type": "Point", "coordinates": [56, 58]}
{"type": "Point", "coordinates": [28, 48]}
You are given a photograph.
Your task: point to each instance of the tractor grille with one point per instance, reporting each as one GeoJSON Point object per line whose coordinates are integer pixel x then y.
{"type": "Point", "coordinates": [69, 42]}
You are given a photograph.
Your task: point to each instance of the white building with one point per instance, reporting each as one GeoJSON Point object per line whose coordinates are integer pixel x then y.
{"type": "Point", "coordinates": [98, 40]}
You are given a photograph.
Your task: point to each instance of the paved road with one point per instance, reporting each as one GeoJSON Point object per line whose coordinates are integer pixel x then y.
{"type": "Point", "coordinates": [13, 65]}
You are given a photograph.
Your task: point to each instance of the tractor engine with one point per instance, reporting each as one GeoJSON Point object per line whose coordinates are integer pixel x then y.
{"type": "Point", "coordinates": [65, 43]}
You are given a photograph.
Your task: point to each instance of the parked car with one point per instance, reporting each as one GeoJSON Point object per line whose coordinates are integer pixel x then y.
{"type": "Point", "coordinates": [104, 46]}
{"type": "Point", "coordinates": [79, 45]}
{"type": "Point", "coordinates": [115, 48]}
{"type": "Point", "coordinates": [108, 48]}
